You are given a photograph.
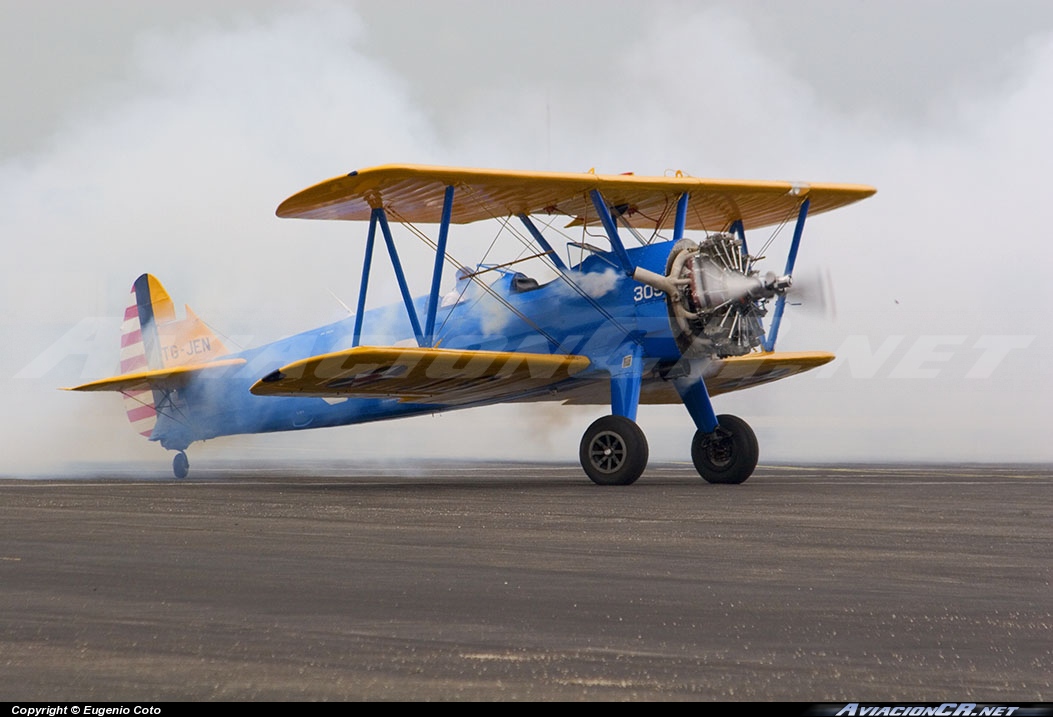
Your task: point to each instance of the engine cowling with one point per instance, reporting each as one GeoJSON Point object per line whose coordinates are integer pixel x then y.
{"type": "Point", "coordinates": [716, 300]}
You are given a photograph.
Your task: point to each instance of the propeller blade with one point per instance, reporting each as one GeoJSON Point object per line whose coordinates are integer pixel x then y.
{"type": "Point", "coordinates": [813, 293]}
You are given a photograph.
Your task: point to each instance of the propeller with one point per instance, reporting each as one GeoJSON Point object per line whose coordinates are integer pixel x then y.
{"type": "Point", "coordinates": [813, 293]}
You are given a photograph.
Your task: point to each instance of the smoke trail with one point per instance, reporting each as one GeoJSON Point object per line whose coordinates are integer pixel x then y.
{"type": "Point", "coordinates": [177, 169]}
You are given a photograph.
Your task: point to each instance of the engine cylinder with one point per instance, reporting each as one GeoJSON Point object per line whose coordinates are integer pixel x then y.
{"type": "Point", "coordinates": [719, 300]}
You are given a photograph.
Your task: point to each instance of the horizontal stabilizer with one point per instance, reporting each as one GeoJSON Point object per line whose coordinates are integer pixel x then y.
{"type": "Point", "coordinates": [443, 376]}
{"type": "Point", "coordinates": [161, 379]}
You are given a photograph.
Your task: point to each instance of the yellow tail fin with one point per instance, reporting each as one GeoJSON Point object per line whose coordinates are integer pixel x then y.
{"type": "Point", "coordinates": [153, 338]}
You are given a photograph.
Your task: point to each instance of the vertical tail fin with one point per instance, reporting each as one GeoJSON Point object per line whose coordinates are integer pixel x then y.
{"type": "Point", "coordinates": [139, 405]}
{"type": "Point", "coordinates": [153, 338]}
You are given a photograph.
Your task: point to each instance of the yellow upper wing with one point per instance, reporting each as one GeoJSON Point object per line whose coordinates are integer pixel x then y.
{"type": "Point", "coordinates": [415, 194]}
{"type": "Point", "coordinates": [426, 375]}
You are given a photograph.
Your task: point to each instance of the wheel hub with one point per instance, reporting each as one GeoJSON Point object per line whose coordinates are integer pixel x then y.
{"type": "Point", "coordinates": [720, 448]}
{"type": "Point", "coordinates": [607, 452]}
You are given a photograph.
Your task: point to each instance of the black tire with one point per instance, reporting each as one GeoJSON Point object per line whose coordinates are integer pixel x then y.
{"type": "Point", "coordinates": [729, 454]}
{"type": "Point", "coordinates": [181, 465]}
{"type": "Point", "coordinates": [613, 451]}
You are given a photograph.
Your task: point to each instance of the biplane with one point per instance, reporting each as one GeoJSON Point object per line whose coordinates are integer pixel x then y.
{"type": "Point", "coordinates": [655, 298]}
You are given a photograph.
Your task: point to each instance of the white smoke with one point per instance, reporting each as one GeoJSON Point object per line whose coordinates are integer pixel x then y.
{"type": "Point", "coordinates": [177, 167]}
{"type": "Point", "coordinates": [596, 285]}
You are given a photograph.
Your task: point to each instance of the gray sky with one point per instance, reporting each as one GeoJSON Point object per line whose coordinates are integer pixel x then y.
{"type": "Point", "coordinates": [896, 60]}
{"type": "Point", "coordinates": [161, 136]}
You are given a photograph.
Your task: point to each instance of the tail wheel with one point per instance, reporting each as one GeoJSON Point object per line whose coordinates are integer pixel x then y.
{"type": "Point", "coordinates": [613, 451]}
{"type": "Point", "coordinates": [728, 454]}
{"type": "Point", "coordinates": [181, 465]}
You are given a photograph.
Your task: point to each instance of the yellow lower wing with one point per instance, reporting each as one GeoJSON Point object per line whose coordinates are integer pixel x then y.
{"type": "Point", "coordinates": [740, 372]}
{"type": "Point", "coordinates": [722, 376]}
{"type": "Point", "coordinates": [164, 378]}
{"type": "Point", "coordinates": [443, 376]}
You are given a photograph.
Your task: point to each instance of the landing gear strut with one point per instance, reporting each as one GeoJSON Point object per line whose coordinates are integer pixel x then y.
{"type": "Point", "coordinates": [613, 451]}
{"type": "Point", "coordinates": [180, 465]}
{"type": "Point", "coordinates": [727, 455]}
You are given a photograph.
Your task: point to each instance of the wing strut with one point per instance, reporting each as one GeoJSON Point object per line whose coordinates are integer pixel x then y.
{"type": "Point", "coordinates": [612, 231]}
{"type": "Point", "coordinates": [400, 276]}
{"type": "Point", "coordinates": [791, 259]}
{"type": "Point", "coordinates": [379, 216]}
{"type": "Point", "coordinates": [543, 243]}
{"type": "Point", "coordinates": [361, 312]}
{"type": "Point", "coordinates": [681, 217]}
{"type": "Point", "coordinates": [436, 275]}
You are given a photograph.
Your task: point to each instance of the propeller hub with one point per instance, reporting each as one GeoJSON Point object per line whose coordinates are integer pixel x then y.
{"type": "Point", "coordinates": [777, 284]}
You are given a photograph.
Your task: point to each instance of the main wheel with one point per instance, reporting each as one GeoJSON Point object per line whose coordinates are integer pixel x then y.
{"type": "Point", "coordinates": [181, 465]}
{"type": "Point", "coordinates": [613, 451]}
{"type": "Point", "coordinates": [728, 454]}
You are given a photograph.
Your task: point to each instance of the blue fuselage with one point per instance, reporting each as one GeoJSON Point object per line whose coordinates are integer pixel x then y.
{"type": "Point", "coordinates": [600, 315]}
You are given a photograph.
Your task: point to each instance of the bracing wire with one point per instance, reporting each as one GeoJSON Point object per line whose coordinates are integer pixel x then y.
{"type": "Point", "coordinates": [506, 224]}
{"type": "Point", "coordinates": [482, 284]}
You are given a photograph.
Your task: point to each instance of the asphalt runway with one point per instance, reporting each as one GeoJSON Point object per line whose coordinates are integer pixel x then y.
{"type": "Point", "coordinates": [509, 582]}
